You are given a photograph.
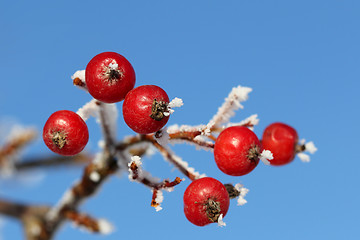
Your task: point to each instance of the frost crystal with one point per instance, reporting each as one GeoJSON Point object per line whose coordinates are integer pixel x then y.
{"type": "Point", "coordinates": [176, 102]}
{"type": "Point", "coordinates": [111, 115]}
{"type": "Point", "coordinates": [113, 66]}
{"type": "Point", "coordinates": [94, 176]}
{"type": "Point", "coordinates": [182, 163]}
{"type": "Point", "coordinates": [159, 199]}
{"type": "Point", "coordinates": [266, 156]}
{"type": "Point", "coordinates": [105, 227]}
{"type": "Point", "coordinates": [80, 74]}
{"type": "Point", "coordinates": [243, 191]}
{"type": "Point", "coordinates": [162, 137]}
{"type": "Point", "coordinates": [310, 147]}
{"type": "Point", "coordinates": [303, 157]}
{"type": "Point", "coordinates": [220, 221]}
{"type": "Point", "coordinates": [89, 109]}
{"type": "Point", "coordinates": [232, 103]}
{"type": "Point", "coordinates": [252, 121]}
{"type": "Point", "coordinates": [137, 161]}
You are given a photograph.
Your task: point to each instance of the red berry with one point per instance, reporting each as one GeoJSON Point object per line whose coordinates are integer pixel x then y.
{"type": "Point", "coordinates": [205, 199]}
{"type": "Point", "coordinates": [145, 109]}
{"type": "Point", "coordinates": [281, 140]}
{"type": "Point", "coordinates": [237, 150]}
{"type": "Point", "coordinates": [109, 77]}
{"type": "Point", "coordinates": [65, 133]}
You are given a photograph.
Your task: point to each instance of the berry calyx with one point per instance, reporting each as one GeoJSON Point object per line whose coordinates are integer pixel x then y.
{"type": "Point", "coordinates": [109, 76]}
{"type": "Point", "coordinates": [145, 109]}
{"type": "Point", "coordinates": [65, 133]}
{"type": "Point", "coordinates": [237, 150]}
{"type": "Point", "coordinates": [281, 139]}
{"type": "Point", "coordinates": [205, 199]}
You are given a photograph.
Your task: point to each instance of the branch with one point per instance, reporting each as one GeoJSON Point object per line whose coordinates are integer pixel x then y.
{"type": "Point", "coordinates": [53, 161]}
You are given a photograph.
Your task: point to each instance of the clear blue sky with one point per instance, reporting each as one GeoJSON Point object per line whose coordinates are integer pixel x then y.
{"type": "Point", "coordinates": [301, 58]}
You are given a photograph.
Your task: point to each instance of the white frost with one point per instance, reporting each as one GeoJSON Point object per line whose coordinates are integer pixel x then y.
{"type": "Point", "coordinates": [137, 161]}
{"type": "Point", "coordinates": [105, 227]}
{"type": "Point", "coordinates": [94, 176]}
{"type": "Point", "coordinates": [176, 102]}
{"type": "Point", "coordinates": [159, 199]}
{"type": "Point", "coordinates": [243, 191]}
{"type": "Point", "coordinates": [310, 147]}
{"type": "Point", "coordinates": [303, 157]}
{"type": "Point", "coordinates": [220, 221]}
{"type": "Point", "coordinates": [163, 137]}
{"type": "Point", "coordinates": [114, 66]}
{"type": "Point", "coordinates": [266, 156]}
{"type": "Point", "coordinates": [252, 120]}
{"type": "Point", "coordinates": [89, 109]}
{"type": "Point", "coordinates": [80, 74]}
{"type": "Point", "coordinates": [181, 162]}
{"type": "Point", "coordinates": [110, 116]}
{"type": "Point", "coordinates": [232, 103]}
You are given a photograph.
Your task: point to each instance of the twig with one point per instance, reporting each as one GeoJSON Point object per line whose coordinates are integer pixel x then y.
{"type": "Point", "coordinates": [53, 161]}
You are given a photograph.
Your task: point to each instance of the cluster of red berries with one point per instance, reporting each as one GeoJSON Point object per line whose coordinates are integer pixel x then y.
{"type": "Point", "coordinates": [110, 78]}
{"type": "Point", "coordinates": [236, 153]}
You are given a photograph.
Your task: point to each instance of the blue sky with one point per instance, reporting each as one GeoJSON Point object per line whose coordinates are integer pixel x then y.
{"type": "Point", "coordinates": [300, 57]}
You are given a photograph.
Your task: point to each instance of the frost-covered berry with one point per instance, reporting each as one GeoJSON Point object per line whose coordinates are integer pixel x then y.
{"type": "Point", "coordinates": [145, 109]}
{"type": "Point", "coordinates": [109, 77]}
{"type": "Point", "coordinates": [65, 133]}
{"type": "Point", "coordinates": [237, 150]}
{"type": "Point", "coordinates": [281, 139]}
{"type": "Point", "coordinates": [206, 200]}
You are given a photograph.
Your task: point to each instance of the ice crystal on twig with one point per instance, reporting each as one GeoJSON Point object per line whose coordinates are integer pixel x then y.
{"type": "Point", "coordinates": [220, 221]}
{"type": "Point", "coordinates": [176, 102]}
{"type": "Point", "coordinates": [162, 137]}
{"type": "Point", "coordinates": [105, 227]}
{"type": "Point", "coordinates": [243, 191]}
{"type": "Point", "coordinates": [159, 198]}
{"type": "Point", "coordinates": [108, 120]}
{"type": "Point", "coordinates": [89, 109]}
{"type": "Point", "coordinates": [80, 74]}
{"type": "Point", "coordinates": [135, 170]}
{"type": "Point", "coordinates": [266, 156]}
{"type": "Point", "coordinates": [310, 147]}
{"type": "Point", "coordinates": [232, 103]}
{"type": "Point", "coordinates": [79, 79]}
{"type": "Point", "coordinates": [182, 165]}
{"type": "Point", "coordinates": [307, 147]}
{"type": "Point", "coordinates": [94, 176]}
{"type": "Point", "coordinates": [303, 157]}
{"type": "Point", "coordinates": [249, 122]}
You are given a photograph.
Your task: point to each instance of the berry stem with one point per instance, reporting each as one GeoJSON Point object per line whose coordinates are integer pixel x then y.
{"type": "Point", "coordinates": [300, 148]}
{"type": "Point", "coordinates": [232, 191]}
